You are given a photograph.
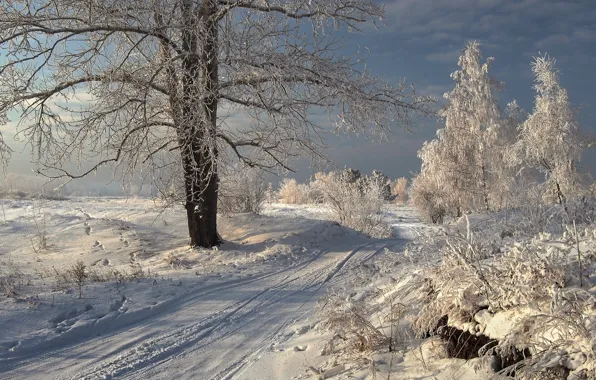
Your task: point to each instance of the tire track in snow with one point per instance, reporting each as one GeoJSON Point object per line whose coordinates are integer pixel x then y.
{"type": "Point", "coordinates": [187, 340]}
{"type": "Point", "coordinates": [167, 346]}
{"type": "Point", "coordinates": [244, 362]}
{"type": "Point", "coordinates": [243, 328]}
{"type": "Point", "coordinates": [67, 342]}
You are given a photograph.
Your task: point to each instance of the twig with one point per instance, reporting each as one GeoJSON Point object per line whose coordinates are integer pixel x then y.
{"type": "Point", "coordinates": [579, 256]}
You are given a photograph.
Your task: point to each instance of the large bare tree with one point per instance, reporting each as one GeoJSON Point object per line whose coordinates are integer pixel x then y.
{"type": "Point", "coordinates": [131, 83]}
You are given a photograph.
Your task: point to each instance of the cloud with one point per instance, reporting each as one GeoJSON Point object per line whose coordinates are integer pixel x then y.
{"type": "Point", "coordinates": [552, 40]}
{"type": "Point", "coordinates": [428, 22]}
{"type": "Point", "coordinates": [584, 34]}
{"type": "Point", "coordinates": [444, 57]}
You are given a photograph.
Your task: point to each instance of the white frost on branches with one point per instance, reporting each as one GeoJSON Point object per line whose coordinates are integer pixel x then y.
{"type": "Point", "coordinates": [462, 165]}
{"type": "Point", "coordinates": [549, 139]}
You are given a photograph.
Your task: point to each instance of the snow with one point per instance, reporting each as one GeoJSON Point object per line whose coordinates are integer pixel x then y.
{"type": "Point", "coordinates": [244, 311]}
{"type": "Point", "coordinates": [247, 310]}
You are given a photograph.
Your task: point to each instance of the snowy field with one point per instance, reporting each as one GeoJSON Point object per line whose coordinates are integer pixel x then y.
{"type": "Point", "coordinates": [152, 308]}
{"type": "Point", "coordinates": [271, 303]}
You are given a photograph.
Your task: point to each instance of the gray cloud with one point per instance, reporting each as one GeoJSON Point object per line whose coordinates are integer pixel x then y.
{"type": "Point", "coordinates": [555, 39]}
{"type": "Point", "coordinates": [457, 20]}
{"type": "Point", "coordinates": [450, 56]}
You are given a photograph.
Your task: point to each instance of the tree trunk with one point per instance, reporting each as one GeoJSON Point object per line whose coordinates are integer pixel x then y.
{"type": "Point", "coordinates": [197, 133]}
{"type": "Point", "coordinates": [202, 218]}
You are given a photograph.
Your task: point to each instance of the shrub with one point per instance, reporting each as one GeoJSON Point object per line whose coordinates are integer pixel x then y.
{"type": "Point", "coordinates": [348, 320]}
{"type": "Point", "coordinates": [400, 190]}
{"type": "Point", "coordinates": [12, 281]}
{"type": "Point", "coordinates": [290, 192]}
{"type": "Point", "coordinates": [428, 199]}
{"type": "Point", "coordinates": [78, 274]}
{"type": "Point", "coordinates": [242, 190]}
{"type": "Point", "coordinates": [40, 240]}
{"type": "Point", "coordinates": [535, 213]}
{"type": "Point", "coordinates": [381, 181]}
{"type": "Point", "coordinates": [535, 284]}
{"type": "Point", "coordinates": [356, 204]}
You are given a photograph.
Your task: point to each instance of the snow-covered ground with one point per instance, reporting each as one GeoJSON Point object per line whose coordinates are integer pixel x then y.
{"type": "Point", "coordinates": [162, 310]}
{"type": "Point", "coordinates": [153, 308]}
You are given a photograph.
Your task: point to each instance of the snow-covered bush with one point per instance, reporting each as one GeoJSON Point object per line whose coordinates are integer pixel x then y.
{"type": "Point", "coordinates": [78, 274]}
{"type": "Point", "coordinates": [382, 182]}
{"type": "Point", "coordinates": [347, 319]}
{"type": "Point", "coordinates": [429, 199]}
{"type": "Point", "coordinates": [523, 293]}
{"type": "Point", "coordinates": [312, 192]}
{"type": "Point", "coordinates": [535, 214]}
{"type": "Point", "coordinates": [581, 209]}
{"type": "Point", "coordinates": [400, 190]}
{"type": "Point", "coordinates": [291, 192]}
{"type": "Point", "coordinates": [355, 203]}
{"type": "Point", "coordinates": [242, 190]}
{"type": "Point", "coordinates": [560, 340]}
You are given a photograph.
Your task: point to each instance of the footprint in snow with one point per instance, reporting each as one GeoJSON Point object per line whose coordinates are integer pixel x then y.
{"type": "Point", "coordinates": [118, 305]}
{"type": "Point", "coordinates": [302, 330]}
{"type": "Point", "coordinates": [9, 346]}
{"type": "Point", "coordinates": [87, 215]}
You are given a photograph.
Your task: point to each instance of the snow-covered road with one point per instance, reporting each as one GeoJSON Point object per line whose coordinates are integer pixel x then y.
{"type": "Point", "coordinates": [214, 333]}
{"type": "Point", "coordinates": [215, 330]}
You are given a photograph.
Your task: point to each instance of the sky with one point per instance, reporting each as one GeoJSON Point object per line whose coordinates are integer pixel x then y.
{"type": "Point", "coordinates": [420, 40]}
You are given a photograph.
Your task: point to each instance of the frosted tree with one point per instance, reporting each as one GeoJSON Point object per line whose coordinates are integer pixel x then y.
{"type": "Point", "coordinates": [291, 192]}
{"type": "Point", "coordinates": [515, 116]}
{"type": "Point", "coordinates": [472, 121]}
{"type": "Point", "coordinates": [153, 85]}
{"type": "Point", "coordinates": [382, 181]}
{"type": "Point", "coordinates": [400, 190]}
{"type": "Point", "coordinates": [549, 139]}
{"type": "Point", "coordinates": [350, 175]}
{"type": "Point", "coordinates": [465, 163]}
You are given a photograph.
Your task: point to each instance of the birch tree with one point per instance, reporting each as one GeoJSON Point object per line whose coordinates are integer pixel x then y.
{"type": "Point", "coordinates": [550, 138]}
{"type": "Point", "coordinates": [153, 84]}
{"type": "Point", "coordinates": [468, 166]}
{"type": "Point", "coordinates": [471, 126]}
{"type": "Point", "coordinates": [458, 164]}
